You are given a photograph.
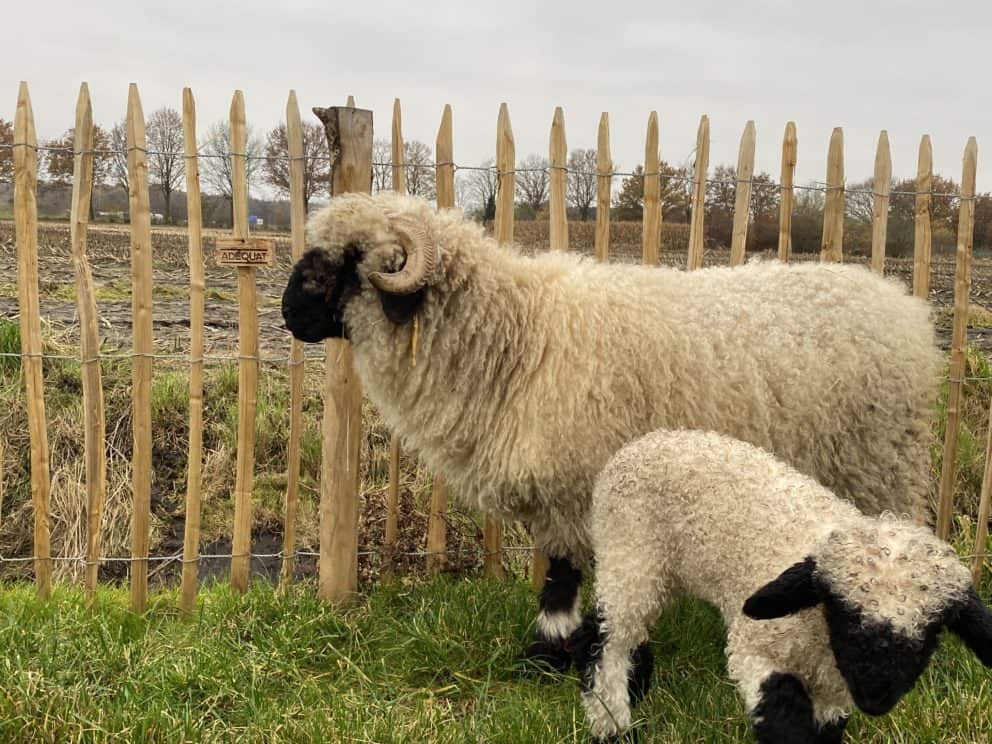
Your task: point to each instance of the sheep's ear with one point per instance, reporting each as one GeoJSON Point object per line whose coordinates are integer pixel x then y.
{"type": "Point", "coordinates": [400, 309]}
{"type": "Point", "coordinates": [973, 625]}
{"type": "Point", "coordinates": [792, 591]}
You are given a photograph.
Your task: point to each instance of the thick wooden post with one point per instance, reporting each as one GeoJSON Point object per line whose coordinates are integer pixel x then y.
{"type": "Point", "coordinates": [742, 200]}
{"type": "Point", "coordinates": [26, 231]}
{"type": "Point", "coordinates": [89, 347]}
{"type": "Point", "coordinates": [882, 184]}
{"type": "Point", "coordinates": [558, 152]}
{"type": "Point", "coordinates": [437, 537]}
{"type": "Point", "coordinates": [959, 339]}
{"type": "Point", "coordinates": [651, 227]}
{"type": "Point", "coordinates": [604, 188]}
{"type": "Point", "coordinates": [786, 197]}
{"type": "Point", "coordinates": [197, 288]}
{"type": "Point", "coordinates": [697, 224]}
{"type": "Point", "coordinates": [349, 136]}
{"type": "Point", "coordinates": [832, 246]}
{"type": "Point", "coordinates": [923, 234]}
{"type": "Point", "coordinates": [141, 319]}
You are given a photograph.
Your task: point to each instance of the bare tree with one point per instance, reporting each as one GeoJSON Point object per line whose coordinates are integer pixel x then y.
{"type": "Point", "coordinates": [166, 167]}
{"type": "Point", "coordinates": [582, 181]}
{"type": "Point", "coordinates": [463, 189]}
{"type": "Point", "coordinates": [6, 151]}
{"type": "Point", "coordinates": [215, 165]}
{"type": "Point", "coordinates": [482, 185]}
{"type": "Point", "coordinates": [533, 181]}
{"type": "Point", "coordinates": [382, 170]}
{"type": "Point", "coordinates": [421, 176]}
{"type": "Point", "coordinates": [215, 160]}
{"type": "Point", "coordinates": [316, 164]}
{"type": "Point", "coordinates": [859, 200]}
{"type": "Point", "coordinates": [117, 172]}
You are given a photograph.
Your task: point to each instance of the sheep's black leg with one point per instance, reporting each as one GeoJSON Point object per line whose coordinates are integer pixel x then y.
{"type": "Point", "coordinates": [785, 713]}
{"type": "Point", "coordinates": [559, 615]}
{"type": "Point", "coordinates": [832, 733]}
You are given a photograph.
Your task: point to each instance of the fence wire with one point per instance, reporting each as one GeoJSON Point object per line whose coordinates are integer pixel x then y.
{"type": "Point", "coordinates": [178, 557]}
{"type": "Point", "coordinates": [664, 176]}
{"type": "Point", "coordinates": [271, 360]}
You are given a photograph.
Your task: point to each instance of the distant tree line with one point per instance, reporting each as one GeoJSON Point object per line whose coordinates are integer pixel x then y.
{"type": "Point", "coordinates": [533, 184]}
{"type": "Point", "coordinates": [267, 163]}
{"type": "Point", "coordinates": [476, 188]}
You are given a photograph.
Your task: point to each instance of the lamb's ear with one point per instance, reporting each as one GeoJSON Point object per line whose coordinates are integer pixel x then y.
{"type": "Point", "coordinates": [400, 309]}
{"type": "Point", "coordinates": [792, 591]}
{"type": "Point", "coordinates": [973, 624]}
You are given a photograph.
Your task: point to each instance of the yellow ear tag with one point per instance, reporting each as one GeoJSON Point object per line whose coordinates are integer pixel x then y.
{"type": "Point", "coordinates": [413, 342]}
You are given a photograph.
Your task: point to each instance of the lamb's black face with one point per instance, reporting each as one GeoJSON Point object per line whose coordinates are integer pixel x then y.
{"type": "Point", "coordinates": [315, 296]}
{"type": "Point", "coordinates": [879, 663]}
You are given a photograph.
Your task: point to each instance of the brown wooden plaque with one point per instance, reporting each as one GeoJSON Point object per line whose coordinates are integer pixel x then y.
{"type": "Point", "coordinates": [245, 251]}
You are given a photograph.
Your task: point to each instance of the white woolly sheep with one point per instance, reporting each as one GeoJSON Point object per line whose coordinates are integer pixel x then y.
{"type": "Point", "coordinates": [532, 371]}
{"type": "Point", "coordinates": [853, 618]}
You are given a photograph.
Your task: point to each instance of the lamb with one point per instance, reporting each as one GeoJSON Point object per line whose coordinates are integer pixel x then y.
{"type": "Point", "coordinates": [826, 608]}
{"type": "Point", "coordinates": [517, 377]}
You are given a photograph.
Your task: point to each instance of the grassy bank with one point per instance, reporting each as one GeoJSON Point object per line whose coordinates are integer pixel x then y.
{"type": "Point", "coordinates": [433, 662]}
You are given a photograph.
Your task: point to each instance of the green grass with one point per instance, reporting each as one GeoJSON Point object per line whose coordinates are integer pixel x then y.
{"type": "Point", "coordinates": [432, 662]}
{"type": "Point", "coordinates": [10, 343]}
{"type": "Point", "coordinates": [119, 290]}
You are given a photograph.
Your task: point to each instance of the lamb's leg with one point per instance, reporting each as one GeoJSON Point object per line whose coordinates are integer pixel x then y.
{"type": "Point", "coordinates": [832, 733]}
{"type": "Point", "coordinates": [616, 675]}
{"type": "Point", "coordinates": [559, 615]}
{"type": "Point", "coordinates": [784, 713]}
{"type": "Point", "coordinates": [611, 648]}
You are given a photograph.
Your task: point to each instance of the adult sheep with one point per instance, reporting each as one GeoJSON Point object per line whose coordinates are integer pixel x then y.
{"type": "Point", "coordinates": [532, 371]}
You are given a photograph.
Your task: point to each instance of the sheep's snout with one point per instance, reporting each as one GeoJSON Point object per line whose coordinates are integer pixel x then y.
{"type": "Point", "coordinates": [315, 295]}
{"type": "Point", "coordinates": [878, 662]}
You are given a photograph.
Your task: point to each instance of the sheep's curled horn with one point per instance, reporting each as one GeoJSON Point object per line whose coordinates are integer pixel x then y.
{"type": "Point", "coordinates": [421, 254]}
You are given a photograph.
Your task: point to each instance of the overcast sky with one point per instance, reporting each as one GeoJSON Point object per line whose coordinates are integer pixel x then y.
{"type": "Point", "coordinates": [908, 67]}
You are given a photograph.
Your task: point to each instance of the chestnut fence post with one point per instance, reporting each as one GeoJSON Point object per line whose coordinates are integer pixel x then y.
{"type": "Point", "coordinates": [349, 139]}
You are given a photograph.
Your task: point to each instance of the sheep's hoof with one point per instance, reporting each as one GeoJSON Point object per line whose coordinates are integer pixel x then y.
{"type": "Point", "coordinates": [549, 656]}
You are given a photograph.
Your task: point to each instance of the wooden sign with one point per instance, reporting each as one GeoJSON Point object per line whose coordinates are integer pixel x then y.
{"type": "Point", "coordinates": [245, 251]}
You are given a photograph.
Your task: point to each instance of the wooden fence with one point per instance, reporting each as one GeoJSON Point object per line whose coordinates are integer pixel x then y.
{"type": "Point", "coordinates": [349, 132]}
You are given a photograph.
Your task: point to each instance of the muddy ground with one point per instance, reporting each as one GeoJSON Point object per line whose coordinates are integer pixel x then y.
{"type": "Point", "coordinates": [110, 261]}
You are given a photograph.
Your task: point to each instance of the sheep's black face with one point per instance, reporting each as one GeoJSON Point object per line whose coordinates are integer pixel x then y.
{"type": "Point", "coordinates": [314, 299]}
{"type": "Point", "coordinates": [879, 663]}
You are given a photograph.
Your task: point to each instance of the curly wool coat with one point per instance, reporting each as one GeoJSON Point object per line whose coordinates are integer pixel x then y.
{"type": "Point", "coordinates": [719, 519]}
{"type": "Point", "coordinates": [532, 371]}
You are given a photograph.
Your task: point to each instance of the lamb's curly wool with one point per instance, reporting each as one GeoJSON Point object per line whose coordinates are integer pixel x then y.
{"type": "Point", "coordinates": [532, 371]}
{"type": "Point", "coordinates": [720, 519]}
